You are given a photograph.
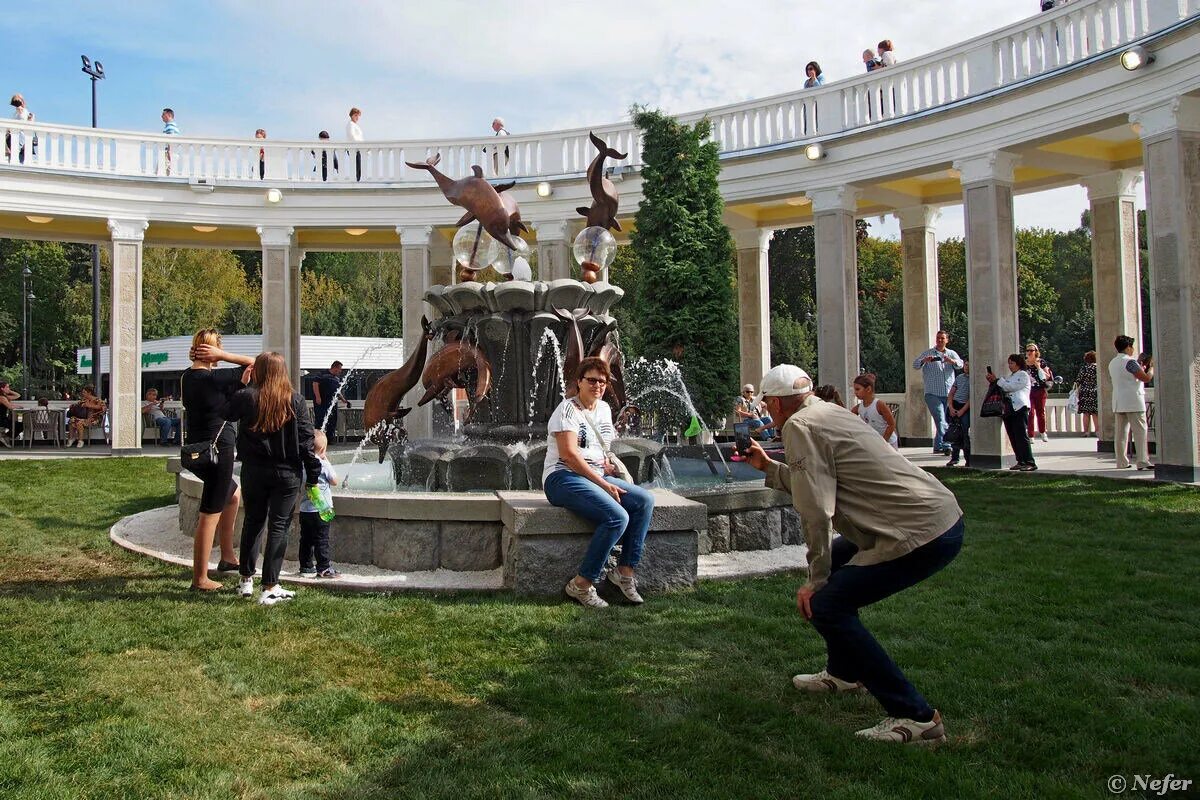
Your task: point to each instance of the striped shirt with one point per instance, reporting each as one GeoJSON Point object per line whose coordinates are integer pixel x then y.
{"type": "Point", "coordinates": [962, 389]}
{"type": "Point", "coordinates": [938, 375]}
{"type": "Point", "coordinates": [569, 417]}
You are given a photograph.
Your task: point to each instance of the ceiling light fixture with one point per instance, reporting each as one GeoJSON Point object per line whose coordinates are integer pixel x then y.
{"type": "Point", "coordinates": [36, 220]}
{"type": "Point", "coordinates": [204, 228]}
{"type": "Point", "coordinates": [1136, 57]}
{"type": "Point", "coordinates": [356, 231]}
{"type": "Point", "coordinates": [544, 189]}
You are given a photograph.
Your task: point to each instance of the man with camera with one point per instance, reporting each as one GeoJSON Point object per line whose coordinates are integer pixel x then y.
{"type": "Point", "coordinates": [898, 525]}
{"type": "Point", "coordinates": [1129, 378]}
{"type": "Point", "coordinates": [937, 365]}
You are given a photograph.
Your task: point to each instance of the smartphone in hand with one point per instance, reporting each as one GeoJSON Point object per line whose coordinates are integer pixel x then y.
{"type": "Point", "coordinates": [742, 442]}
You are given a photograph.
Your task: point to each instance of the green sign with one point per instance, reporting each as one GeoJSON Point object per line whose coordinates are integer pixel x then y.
{"type": "Point", "coordinates": [148, 360]}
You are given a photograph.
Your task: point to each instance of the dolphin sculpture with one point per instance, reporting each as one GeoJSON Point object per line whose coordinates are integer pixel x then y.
{"type": "Point", "coordinates": [381, 410]}
{"type": "Point", "coordinates": [605, 346]}
{"type": "Point", "coordinates": [603, 212]}
{"type": "Point", "coordinates": [477, 196]}
{"type": "Point", "coordinates": [574, 349]}
{"type": "Point", "coordinates": [450, 368]}
{"type": "Point", "coordinates": [515, 225]}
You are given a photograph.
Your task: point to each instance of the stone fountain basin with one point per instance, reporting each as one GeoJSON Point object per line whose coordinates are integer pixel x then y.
{"type": "Point", "coordinates": [538, 546]}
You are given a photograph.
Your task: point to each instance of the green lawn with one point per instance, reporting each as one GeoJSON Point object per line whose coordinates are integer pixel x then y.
{"type": "Point", "coordinates": [1062, 646]}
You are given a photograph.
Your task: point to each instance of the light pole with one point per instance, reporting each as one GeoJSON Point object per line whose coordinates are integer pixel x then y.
{"type": "Point", "coordinates": [95, 70]}
{"type": "Point", "coordinates": [26, 318]}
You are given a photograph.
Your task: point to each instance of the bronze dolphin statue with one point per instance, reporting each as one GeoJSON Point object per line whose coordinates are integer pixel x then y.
{"type": "Point", "coordinates": [383, 401]}
{"type": "Point", "coordinates": [449, 368]}
{"type": "Point", "coordinates": [603, 212]}
{"type": "Point", "coordinates": [477, 196]}
{"type": "Point", "coordinates": [604, 346]}
{"type": "Point", "coordinates": [515, 225]}
{"type": "Point", "coordinates": [574, 352]}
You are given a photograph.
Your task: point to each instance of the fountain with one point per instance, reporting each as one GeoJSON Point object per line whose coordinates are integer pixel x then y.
{"type": "Point", "coordinates": [470, 502]}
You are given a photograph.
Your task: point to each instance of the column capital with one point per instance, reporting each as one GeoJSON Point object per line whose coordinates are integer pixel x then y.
{"type": "Point", "coordinates": [835, 198]}
{"type": "Point", "coordinates": [127, 230]}
{"type": "Point", "coordinates": [415, 235]}
{"type": "Point", "coordinates": [275, 236]}
{"type": "Point", "coordinates": [552, 230]}
{"type": "Point", "coordinates": [1117, 183]}
{"type": "Point", "coordinates": [997, 166]}
{"type": "Point", "coordinates": [918, 217]}
{"type": "Point", "coordinates": [1178, 114]}
{"type": "Point", "coordinates": [752, 238]}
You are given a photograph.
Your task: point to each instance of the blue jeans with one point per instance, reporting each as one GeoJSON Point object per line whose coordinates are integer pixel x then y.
{"type": "Point", "coordinates": [168, 429]}
{"type": "Point", "coordinates": [624, 523]}
{"type": "Point", "coordinates": [937, 409]}
{"type": "Point", "coordinates": [853, 653]}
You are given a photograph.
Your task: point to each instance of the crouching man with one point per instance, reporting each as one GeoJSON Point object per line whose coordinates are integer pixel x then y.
{"type": "Point", "coordinates": [898, 526]}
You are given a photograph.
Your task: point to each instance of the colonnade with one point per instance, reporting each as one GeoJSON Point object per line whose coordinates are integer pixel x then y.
{"type": "Point", "coordinates": [1170, 136]}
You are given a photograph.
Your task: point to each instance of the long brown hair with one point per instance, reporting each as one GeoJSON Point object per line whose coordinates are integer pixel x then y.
{"type": "Point", "coordinates": [274, 393]}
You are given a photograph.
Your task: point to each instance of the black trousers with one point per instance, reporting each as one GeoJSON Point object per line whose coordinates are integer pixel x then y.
{"type": "Point", "coordinates": [269, 494]}
{"type": "Point", "coordinates": [1015, 423]}
{"type": "Point", "coordinates": [314, 541]}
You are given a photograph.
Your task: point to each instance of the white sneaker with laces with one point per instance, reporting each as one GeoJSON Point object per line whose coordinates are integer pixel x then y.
{"type": "Point", "coordinates": [1045, 436]}
{"type": "Point", "coordinates": [906, 731]}
{"type": "Point", "coordinates": [586, 597]}
{"type": "Point", "coordinates": [822, 682]}
{"type": "Point", "coordinates": [627, 584]}
{"type": "Point", "coordinates": [276, 594]}
{"type": "Point", "coordinates": [246, 587]}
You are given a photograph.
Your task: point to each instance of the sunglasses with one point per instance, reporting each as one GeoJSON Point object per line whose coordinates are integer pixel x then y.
{"type": "Point", "coordinates": [597, 381]}
{"type": "Point", "coordinates": [1032, 350]}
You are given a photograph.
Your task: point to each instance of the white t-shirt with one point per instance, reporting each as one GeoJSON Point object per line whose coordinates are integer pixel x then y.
{"type": "Point", "coordinates": [887, 59]}
{"type": "Point", "coordinates": [353, 132]}
{"type": "Point", "coordinates": [569, 417]}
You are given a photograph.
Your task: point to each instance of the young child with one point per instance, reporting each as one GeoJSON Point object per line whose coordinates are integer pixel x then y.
{"type": "Point", "coordinates": [314, 531]}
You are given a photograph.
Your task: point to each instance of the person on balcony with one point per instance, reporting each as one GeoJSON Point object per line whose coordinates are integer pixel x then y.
{"type": "Point", "coordinates": [498, 129]}
{"type": "Point", "coordinates": [815, 78]}
{"type": "Point", "coordinates": [20, 112]}
{"type": "Point", "coordinates": [870, 60]}
{"type": "Point", "coordinates": [324, 137]}
{"type": "Point", "coordinates": [887, 56]}
{"type": "Point", "coordinates": [169, 129]}
{"type": "Point", "coordinates": [354, 134]}
{"type": "Point", "coordinates": [262, 154]}
{"type": "Point", "coordinates": [937, 367]}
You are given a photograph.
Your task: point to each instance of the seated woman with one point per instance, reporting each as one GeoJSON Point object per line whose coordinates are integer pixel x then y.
{"type": "Point", "coordinates": [751, 416]}
{"type": "Point", "coordinates": [86, 413]}
{"type": "Point", "coordinates": [578, 476]}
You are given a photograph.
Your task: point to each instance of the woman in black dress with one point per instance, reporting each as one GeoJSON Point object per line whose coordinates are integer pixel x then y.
{"type": "Point", "coordinates": [1085, 389]}
{"type": "Point", "coordinates": [206, 391]}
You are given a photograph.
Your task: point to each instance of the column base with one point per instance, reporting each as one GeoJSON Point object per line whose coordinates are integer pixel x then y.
{"type": "Point", "coordinates": [916, 441]}
{"type": "Point", "coordinates": [985, 461]}
{"type": "Point", "coordinates": [1108, 447]}
{"type": "Point", "coordinates": [126, 451]}
{"type": "Point", "coordinates": [1177, 474]}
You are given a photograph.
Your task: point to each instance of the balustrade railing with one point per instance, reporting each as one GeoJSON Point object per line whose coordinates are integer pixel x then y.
{"type": "Point", "coordinates": [1009, 56]}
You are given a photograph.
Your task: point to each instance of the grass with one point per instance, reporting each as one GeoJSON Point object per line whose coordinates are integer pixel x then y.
{"type": "Point", "coordinates": [1062, 646]}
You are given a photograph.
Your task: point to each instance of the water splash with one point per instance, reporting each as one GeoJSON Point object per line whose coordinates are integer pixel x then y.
{"type": "Point", "coordinates": [548, 338]}
{"type": "Point", "coordinates": [347, 374]}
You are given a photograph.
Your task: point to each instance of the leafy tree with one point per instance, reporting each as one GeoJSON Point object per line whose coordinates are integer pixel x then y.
{"type": "Point", "coordinates": [685, 252]}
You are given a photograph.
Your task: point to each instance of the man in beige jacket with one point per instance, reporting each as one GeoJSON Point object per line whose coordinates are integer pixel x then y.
{"type": "Point", "coordinates": [898, 526]}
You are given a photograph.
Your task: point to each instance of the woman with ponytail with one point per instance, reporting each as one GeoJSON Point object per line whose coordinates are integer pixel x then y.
{"type": "Point", "coordinates": [275, 445]}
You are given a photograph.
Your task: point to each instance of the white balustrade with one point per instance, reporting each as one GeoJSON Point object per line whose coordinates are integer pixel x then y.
{"type": "Point", "coordinates": [1019, 52]}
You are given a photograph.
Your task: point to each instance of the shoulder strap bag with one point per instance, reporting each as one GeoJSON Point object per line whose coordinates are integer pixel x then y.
{"type": "Point", "coordinates": [200, 454]}
{"type": "Point", "coordinates": [993, 402]}
{"type": "Point", "coordinates": [622, 471]}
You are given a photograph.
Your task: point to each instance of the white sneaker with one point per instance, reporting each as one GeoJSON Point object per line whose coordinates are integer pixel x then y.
{"type": "Point", "coordinates": [276, 594]}
{"type": "Point", "coordinates": [246, 587]}
{"type": "Point", "coordinates": [822, 682]}
{"type": "Point", "coordinates": [906, 731]}
{"type": "Point", "coordinates": [627, 584]}
{"type": "Point", "coordinates": [586, 597]}
{"type": "Point", "coordinates": [1045, 436]}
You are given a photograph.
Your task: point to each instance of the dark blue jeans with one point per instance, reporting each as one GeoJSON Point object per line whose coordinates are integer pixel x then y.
{"type": "Point", "coordinates": [314, 541]}
{"type": "Point", "coordinates": [853, 653]}
{"type": "Point", "coordinates": [625, 523]}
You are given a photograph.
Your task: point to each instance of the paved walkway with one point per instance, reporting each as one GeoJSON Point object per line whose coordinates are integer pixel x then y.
{"type": "Point", "coordinates": [1070, 455]}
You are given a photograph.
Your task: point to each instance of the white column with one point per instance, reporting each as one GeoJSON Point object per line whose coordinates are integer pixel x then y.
{"type": "Point", "coordinates": [987, 182]}
{"type": "Point", "coordinates": [1116, 277]}
{"type": "Point", "coordinates": [281, 296]}
{"type": "Point", "coordinates": [1170, 147]}
{"type": "Point", "coordinates": [834, 212]}
{"type": "Point", "coordinates": [125, 335]}
{"type": "Point", "coordinates": [415, 254]}
{"type": "Point", "coordinates": [918, 242]}
{"type": "Point", "coordinates": [754, 303]}
{"type": "Point", "coordinates": [554, 239]}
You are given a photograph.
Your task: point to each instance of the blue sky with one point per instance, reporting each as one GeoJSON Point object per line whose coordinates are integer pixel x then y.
{"type": "Point", "coordinates": [438, 70]}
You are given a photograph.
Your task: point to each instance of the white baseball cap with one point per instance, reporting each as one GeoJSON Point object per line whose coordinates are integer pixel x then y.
{"type": "Point", "coordinates": [781, 381]}
{"type": "Point", "coordinates": [749, 387]}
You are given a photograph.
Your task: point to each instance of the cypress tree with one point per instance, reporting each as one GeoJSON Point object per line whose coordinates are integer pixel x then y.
{"type": "Point", "coordinates": [686, 259]}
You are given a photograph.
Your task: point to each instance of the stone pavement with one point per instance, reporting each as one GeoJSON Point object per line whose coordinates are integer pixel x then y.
{"type": "Point", "coordinates": [1067, 455]}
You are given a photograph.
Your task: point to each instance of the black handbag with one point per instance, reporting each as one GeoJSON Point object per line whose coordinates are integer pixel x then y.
{"type": "Point", "coordinates": [201, 454]}
{"type": "Point", "coordinates": [954, 432]}
{"type": "Point", "coordinates": [993, 402]}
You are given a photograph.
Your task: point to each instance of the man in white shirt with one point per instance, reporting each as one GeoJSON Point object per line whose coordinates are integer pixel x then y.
{"type": "Point", "coordinates": [1129, 379]}
{"type": "Point", "coordinates": [355, 134]}
{"type": "Point", "coordinates": [498, 129]}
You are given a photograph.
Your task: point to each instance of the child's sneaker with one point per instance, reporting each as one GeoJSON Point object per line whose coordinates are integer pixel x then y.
{"type": "Point", "coordinates": [276, 594]}
{"type": "Point", "coordinates": [586, 597]}
{"type": "Point", "coordinates": [246, 587]}
{"type": "Point", "coordinates": [329, 573]}
{"type": "Point", "coordinates": [308, 572]}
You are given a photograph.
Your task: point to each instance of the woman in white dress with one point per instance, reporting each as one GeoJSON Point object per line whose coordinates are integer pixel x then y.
{"type": "Point", "coordinates": [874, 412]}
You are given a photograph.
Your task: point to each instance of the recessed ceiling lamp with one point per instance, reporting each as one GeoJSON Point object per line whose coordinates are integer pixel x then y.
{"type": "Point", "coordinates": [544, 189]}
{"type": "Point", "coordinates": [36, 220]}
{"type": "Point", "coordinates": [1136, 57]}
{"type": "Point", "coordinates": [814, 152]}
{"type": "Point", "coordinates": [796, 201]}
{"type": "Point", "coordinates": [274, 195]}
{"type": "Point", "coordinates": [356, 231]}
{"type": "Point", "coordinates": [204, 228]}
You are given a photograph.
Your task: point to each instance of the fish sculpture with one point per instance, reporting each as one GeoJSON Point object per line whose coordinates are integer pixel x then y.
{"type": "Point", "coordinates": [477, 196]}
{"type": "Point", "coordinates": [603, 212]}
{"type": "Point", "coordinates": [382, 414]}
